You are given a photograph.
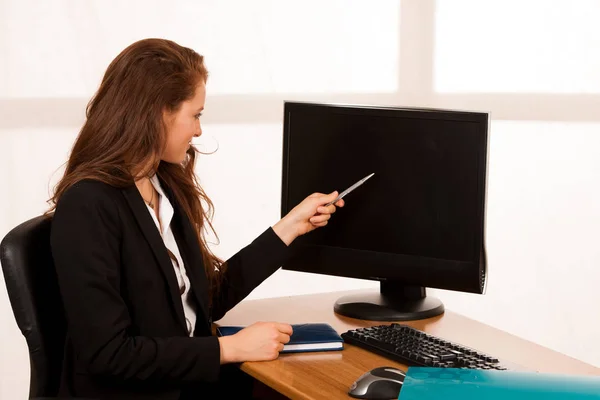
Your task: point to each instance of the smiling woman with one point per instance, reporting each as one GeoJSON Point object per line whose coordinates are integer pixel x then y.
{"type": "Point", "coordinates": [139, 284]}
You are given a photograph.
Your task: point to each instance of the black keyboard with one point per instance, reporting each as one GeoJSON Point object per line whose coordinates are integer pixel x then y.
{"type": "Point", "coordinates": [413, 347]}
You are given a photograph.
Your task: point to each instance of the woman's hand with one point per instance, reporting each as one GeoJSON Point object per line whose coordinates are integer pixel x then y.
{"type": "Point", "coordinates": [260, 341]}
{"type": "Point", "coordinates": [310, 214]}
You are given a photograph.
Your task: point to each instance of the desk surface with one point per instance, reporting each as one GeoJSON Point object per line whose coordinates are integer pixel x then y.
{"type": "Point", "coordinates": [330, 374]}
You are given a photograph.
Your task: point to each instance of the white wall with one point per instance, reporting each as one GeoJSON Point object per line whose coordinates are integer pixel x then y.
{"type": "Point", "coordinates": [538, 79]}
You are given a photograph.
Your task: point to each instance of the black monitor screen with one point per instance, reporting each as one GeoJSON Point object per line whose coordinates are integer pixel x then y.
{"type": "Point", "coordinates": [426, 197]}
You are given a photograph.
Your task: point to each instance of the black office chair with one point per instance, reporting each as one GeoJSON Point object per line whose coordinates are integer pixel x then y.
{"type": "Point", "coordinates": [35, 299]}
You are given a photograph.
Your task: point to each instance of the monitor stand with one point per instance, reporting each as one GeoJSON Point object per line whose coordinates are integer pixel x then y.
{"type": "Point", "coordinates": [394, 302]}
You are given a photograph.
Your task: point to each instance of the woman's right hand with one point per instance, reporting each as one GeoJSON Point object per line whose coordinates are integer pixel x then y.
{"type": "Point", "coordinates": [260, 341]}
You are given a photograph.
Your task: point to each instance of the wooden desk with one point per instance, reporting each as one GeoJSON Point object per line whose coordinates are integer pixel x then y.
{"type": "Point", "coordinates": [328, 375]}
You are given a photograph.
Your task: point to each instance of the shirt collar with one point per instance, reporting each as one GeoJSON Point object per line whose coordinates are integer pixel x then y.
{"type": "Point", "coordinates": [165, 207]}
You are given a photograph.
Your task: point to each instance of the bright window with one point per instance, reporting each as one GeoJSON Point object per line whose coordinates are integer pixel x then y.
{"type": "Point", "coordinates": [517, 46]}
{"type": "Point", "coordinates": [263, 46]}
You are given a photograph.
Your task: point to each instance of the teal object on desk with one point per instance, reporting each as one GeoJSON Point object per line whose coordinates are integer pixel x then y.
{"type": "Point", "coordinates": [424, 383]}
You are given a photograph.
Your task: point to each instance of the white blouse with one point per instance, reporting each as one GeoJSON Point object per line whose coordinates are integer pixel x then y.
{"type": "Point", "coordinates": [165, 210]}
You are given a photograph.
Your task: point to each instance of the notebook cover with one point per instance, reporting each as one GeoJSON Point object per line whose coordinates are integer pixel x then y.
{"type": "Point", "coordinates": [303, 334]}
{"type": "Point", "coordinates": [424, 383]}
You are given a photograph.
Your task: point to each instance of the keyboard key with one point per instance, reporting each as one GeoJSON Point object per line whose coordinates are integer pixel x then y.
{"type": "Point", "coordinates": [448, 356]}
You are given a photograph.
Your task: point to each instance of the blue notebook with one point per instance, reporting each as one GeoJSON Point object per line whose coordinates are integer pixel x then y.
{"type": "Point", "coordinates": [306, 337]}
{"type": "Point", "coordinates": [425, 383]}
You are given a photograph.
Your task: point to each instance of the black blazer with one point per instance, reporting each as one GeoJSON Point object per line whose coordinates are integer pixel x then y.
{"type": "Point", "coordinates": [127, 336]}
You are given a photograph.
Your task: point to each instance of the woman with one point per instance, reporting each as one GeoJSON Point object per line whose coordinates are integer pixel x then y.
{"type": "Point", "coordinates": [139, 284]}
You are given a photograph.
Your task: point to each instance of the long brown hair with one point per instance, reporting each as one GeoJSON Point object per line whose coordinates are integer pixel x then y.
{"type": "Point", "coordinates": [124, 132]}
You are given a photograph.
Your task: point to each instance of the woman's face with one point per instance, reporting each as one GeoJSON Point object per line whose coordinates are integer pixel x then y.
{"type": "Point", "coordinates": [183, 125]}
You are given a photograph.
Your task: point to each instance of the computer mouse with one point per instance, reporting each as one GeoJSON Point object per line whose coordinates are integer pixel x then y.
{"type": "Point", "coordinates": [380, 383]}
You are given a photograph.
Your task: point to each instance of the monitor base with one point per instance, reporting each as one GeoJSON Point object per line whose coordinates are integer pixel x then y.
{"type": "Point", "coordinates": [391, 304]}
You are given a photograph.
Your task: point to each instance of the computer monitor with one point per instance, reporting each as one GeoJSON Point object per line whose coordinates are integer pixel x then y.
{"type": "Point", "coordinates": [418, 222]}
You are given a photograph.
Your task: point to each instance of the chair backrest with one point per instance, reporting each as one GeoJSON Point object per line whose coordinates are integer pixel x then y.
{"type": "Point", "coordinates": [33, 292]}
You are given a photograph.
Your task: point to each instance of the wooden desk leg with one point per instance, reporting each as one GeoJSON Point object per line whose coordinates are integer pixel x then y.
{"type": "Point", "coordinates": [264, 392]}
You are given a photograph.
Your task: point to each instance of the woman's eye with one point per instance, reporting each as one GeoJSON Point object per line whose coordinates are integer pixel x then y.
{"type": "Point", "coordinates": [198, 115]}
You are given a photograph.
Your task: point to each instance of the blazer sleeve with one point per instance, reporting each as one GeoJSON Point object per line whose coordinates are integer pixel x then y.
{"type": "Point", "coordinates": [249, 268]}
{"type": "Point", "coordinates": [85, 241]}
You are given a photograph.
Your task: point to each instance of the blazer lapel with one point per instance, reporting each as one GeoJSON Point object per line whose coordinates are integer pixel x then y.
{"type": "Point", "coordinates": [190, 252]}
{"type": "Point", "coordinates": [157, 245]}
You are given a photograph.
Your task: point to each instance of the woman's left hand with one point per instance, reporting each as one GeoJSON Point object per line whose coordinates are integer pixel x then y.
{"type": "Point", "coordinates": [310, 214]}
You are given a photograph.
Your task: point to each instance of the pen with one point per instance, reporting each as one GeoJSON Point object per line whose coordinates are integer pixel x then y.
{"type": "Point", "coordinates": [350, 189]}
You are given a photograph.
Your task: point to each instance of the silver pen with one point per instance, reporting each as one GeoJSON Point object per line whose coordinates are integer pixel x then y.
{"type": "Point", "coordinates": [351, 188]}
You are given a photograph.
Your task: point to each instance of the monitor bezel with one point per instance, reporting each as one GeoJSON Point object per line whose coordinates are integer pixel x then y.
{"type": "Point", "coordinates": [470, 279]}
